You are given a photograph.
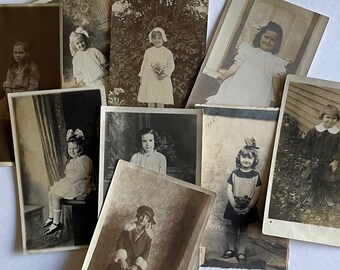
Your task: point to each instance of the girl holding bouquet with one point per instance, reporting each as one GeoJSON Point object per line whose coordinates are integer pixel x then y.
{"type": "Point", "coordinates": [243, 190]}
{"type": "Point", "coordinates": [155, 74]}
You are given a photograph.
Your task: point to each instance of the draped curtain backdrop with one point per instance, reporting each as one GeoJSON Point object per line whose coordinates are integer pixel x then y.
{"type": "Point", "coordinates": [51, 128]}
{"type": "Point", "coordinates": [51, 122]}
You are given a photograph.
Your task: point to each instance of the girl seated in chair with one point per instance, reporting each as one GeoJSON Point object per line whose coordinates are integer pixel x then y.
{"type": "Point", "coordinates": [76, 183]}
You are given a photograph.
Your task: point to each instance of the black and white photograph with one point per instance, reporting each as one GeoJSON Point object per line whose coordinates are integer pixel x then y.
{"type": "Point", "coordinates": [255, 45]}
{"type": "Point", "coordinates": [237, 146]}
{"type": "Point", "coordinates": [149, 221]}
{"type": "Point", "coordinates": [26, 64]}
{"type": "Point", "coordinates": [156, 51]}
{"type": "Point", "coordinates": [167, 141]}
{"type": "Point", "coordinates": [305, 177]}
{"type": "Point", "coordinates": [86, 42]}
{"type": "Point", "coordinates": [56, 145]}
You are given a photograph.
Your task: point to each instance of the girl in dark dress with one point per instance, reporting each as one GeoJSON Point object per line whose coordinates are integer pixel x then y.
{"type": "Point", "coordinates": [243, 192]}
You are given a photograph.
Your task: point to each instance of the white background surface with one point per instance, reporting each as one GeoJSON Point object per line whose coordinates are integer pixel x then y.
{"type": "Point", "coordinates": [302, 255]}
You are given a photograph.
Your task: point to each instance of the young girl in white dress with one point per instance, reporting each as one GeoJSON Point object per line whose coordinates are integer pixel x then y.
{"type": "Point", "coordinates": [248, 81]}
{"type": "Point", "coordinates": [148, 157]}
{"type": "Point", "coordinates": [155, 74]}
{"type": "Point", "coordinates": [76, 183]}
{"type": "Point", "coordinates": [88, 63]}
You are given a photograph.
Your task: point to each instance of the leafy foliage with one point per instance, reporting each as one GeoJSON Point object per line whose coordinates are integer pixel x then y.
{"type": "Point", "coordinates": [184, 22]}
{"type": "Point", "coordinates": [291, 191]}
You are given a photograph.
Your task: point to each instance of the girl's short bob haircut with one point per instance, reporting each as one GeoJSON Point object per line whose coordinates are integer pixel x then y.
{"type": "Point", "coordinates": [247, 152]}
{"type": "Point", "coordinates": [330, 110]}
{"type": "Point", "coordinates": [271, 26]}
{"type": "Point", "coordinates": [143, 131]}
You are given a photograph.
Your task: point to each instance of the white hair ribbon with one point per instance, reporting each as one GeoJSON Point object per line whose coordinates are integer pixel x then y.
{"type": "Point", "coordinates": [78, 134]}
{"type": "Point", "coordinates": [80, 30]}
{"type": "Point", "coordinates": [262, 24]}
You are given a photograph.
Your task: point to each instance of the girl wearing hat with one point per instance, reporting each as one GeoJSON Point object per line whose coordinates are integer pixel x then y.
{"type": "Point", "coordinates": [155, 74]}
{"type": "Point", "coordinates": [134, 243]}
{"type": "Point", "coordinates": [242, 192]}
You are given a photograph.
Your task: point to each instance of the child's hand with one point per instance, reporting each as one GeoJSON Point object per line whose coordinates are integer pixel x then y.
{"type": "Point", "coordinates": [238, 210]}
{"type": "Point", "coordinates": [123, 264]}
{"type": "Point", "coordinates": [161, 76]}
{"type": "Point", "coordinates": [245, 210]}
{"type": "Point", "coordinates": [288, 60]}
{"type": "Point", "coordinates": [334, 165]}
{"type": "Point", "coordinates": [220, 79]}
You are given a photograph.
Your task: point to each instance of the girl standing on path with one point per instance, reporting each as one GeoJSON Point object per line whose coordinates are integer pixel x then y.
{"type": "Point", "coordinates": [155, 74]}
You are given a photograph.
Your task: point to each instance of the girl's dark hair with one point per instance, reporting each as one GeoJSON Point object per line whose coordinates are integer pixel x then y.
{"type": "Point", "coordinates": [79, 142]}
{"type": "Point", "coordinates": [143, 131]}
{"type": "Point", "coordinates": [13, 64]}
{"type": "Point", "coordinates": [271, 26]}
{"type": "Point", "coordinates": [247, 152]}
{"type": "Point", "coordinates": [330, 110]}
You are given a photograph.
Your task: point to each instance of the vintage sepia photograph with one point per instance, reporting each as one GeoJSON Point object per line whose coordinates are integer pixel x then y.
{"type": "Point", "coordinates": [156, 51]}
{"type": "Point", "coordinates": [86, 42]}
{"type": "Point", "coordinates": [56, 145]}
{"type": "Point", "coordinates": [139, 229]}
{"type": "Point", "coordinates": [305, 174]}
{"type": "Point", "coordinates": [167, 141]}
{"type": "Point", "coordinates": [257, 43]}
{"type": "Point", "coordinates": [26, 64]}
{"type": "Point", "coordinates": [237, 146]}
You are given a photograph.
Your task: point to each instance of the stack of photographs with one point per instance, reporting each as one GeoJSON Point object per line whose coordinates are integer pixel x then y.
{"type": "Point", "coordinates": [168, 187]}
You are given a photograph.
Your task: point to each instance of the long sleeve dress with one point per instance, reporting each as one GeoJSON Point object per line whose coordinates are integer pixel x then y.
{"type": "Point", "coordinates": [251, 85]}
{"type": "Point", "coordinates": [88, 67]}
{"type": "Point", "coordinates": [152, 89]}
{"type": "Point", "coordinates": [77, 176]}
{"type": "Point", "coordinates": [154, 161]}
{"type": "Point", "coordinates": [27, 79]}
{"type": "Point", "coordinates": [322, 146]}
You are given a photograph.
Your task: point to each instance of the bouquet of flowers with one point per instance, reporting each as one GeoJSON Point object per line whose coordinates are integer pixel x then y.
{"type": "Point", "coordinates": [242, 202]}
{"type": "Point", "coordinates": [158, 68]}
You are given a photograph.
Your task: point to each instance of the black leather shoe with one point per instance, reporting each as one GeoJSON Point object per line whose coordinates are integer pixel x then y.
{"type": "Point", "coordinates": [47, 223]}
{"type": "Point", "coordinates": [58, 227]}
